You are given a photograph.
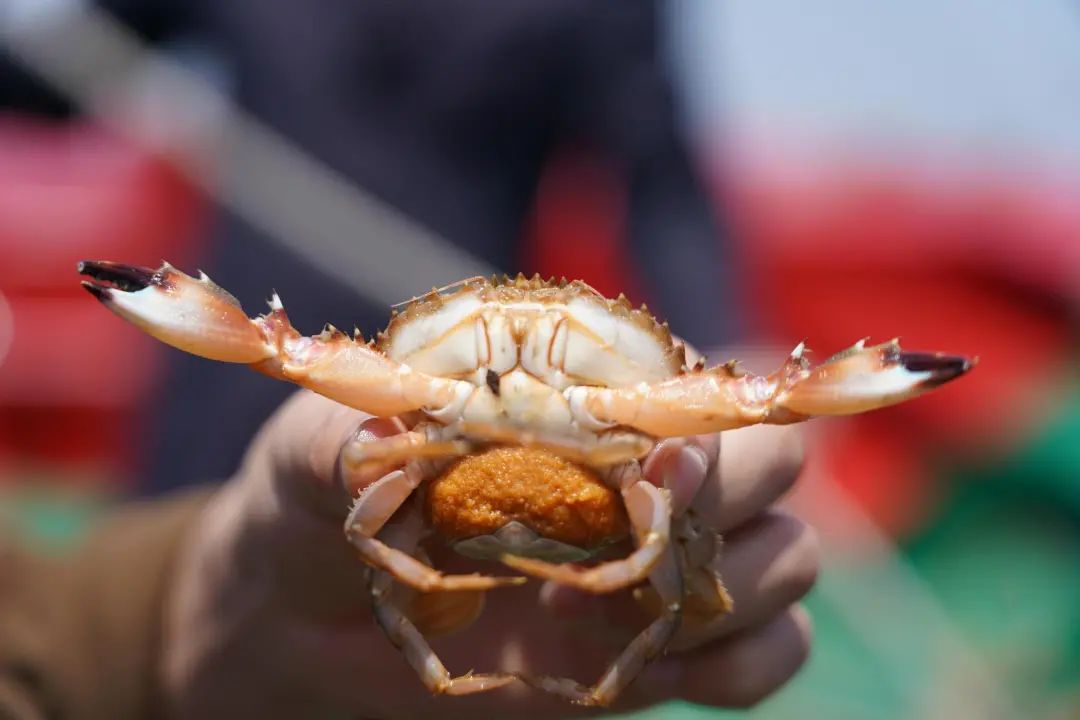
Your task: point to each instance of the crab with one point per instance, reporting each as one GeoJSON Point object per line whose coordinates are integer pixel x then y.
{"type": "Point", "coordinates": [531, 404]}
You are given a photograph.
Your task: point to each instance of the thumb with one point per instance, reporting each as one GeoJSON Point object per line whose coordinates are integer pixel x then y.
{"type": "Point", "coordinates": [299, 450]}
{"type": "Point", "coordinates": [294, 502]}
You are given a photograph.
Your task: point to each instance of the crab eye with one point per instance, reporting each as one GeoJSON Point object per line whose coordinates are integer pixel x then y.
{"type": "Point", "coordinates": [493, 381]}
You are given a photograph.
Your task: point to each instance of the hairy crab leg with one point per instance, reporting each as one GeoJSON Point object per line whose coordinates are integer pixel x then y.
{"type": "Point", "coordinates": [402, 538]}
{"type": "Point", "coordinates": [705, 599]}
{"type": "Point", "coordinates": [373, 509]}
{"type": "Point", "coordinates": [609, 449]}
{"type": "Point", "coordinates": [649, 509]}
{"type": "Point", "coordinates": [396, 449]}
{"type": "Point", "coordinates": [199, 317]}
{"type": "Point", "coordinates": [858, 379]}
{"type": "Point", "coordinates": [666, 579]}
{"type": "Point", "coordinates": [435, 613]}
{"type": "Point", "coordinates": [699, 548]}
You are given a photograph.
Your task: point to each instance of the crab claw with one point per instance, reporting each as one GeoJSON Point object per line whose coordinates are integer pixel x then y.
{"type": "Point", "coordinates": [866, 378]}
{"type": "Point", "coordinates": [858, 379]}
{"type": "Point", "coordinates": [194, 315]}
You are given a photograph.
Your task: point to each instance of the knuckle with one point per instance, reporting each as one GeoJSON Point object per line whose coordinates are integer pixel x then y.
{"type": "Point", "coordinates": [750, 694]}
{"type": "Point", "coordinates": [792, 451]}
{"type": "Point", "coordinates": [789, 648]}
{"type": "Point", "coordinates": [787, 459]}
{"type": "Point", "coordinates": [798, 555]}
{"type": "Point", "coordinates": [806, 560]}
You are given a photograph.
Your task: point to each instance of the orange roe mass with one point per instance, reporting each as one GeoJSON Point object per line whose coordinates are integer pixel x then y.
{"type": "Point", "coordinates": [558, 499]}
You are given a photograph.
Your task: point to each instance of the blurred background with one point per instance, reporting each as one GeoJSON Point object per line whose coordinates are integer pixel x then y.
{"type": "Point", "coordinates": [758, 173]}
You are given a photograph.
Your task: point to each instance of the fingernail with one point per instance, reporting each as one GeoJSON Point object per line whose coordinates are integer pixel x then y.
{"type": "Point", "coordinates": [685, 477]}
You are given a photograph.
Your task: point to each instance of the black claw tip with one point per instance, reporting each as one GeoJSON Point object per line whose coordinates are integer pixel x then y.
{"type": "Point", "coordinates": [97, 291]}
{"type": "Point", "coordinates": [943, 367]}
{"type": "Point", "coordinates": [128, 278]}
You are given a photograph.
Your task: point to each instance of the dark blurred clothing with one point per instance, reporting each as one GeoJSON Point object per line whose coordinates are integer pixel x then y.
{"type": "Point", "coordinates": [448, 111]}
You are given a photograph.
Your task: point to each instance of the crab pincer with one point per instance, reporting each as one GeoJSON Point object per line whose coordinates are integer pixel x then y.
{"type": "Point", "coordinates": [188, 313]}
{"type": "Point", "coordinates": [864, 378]}
{"type": "Point", "coordinates": [199, 317]}
{"type": "Point", "coordinates": [855, 380]}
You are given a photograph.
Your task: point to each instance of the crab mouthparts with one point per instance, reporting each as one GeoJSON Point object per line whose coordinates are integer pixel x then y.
{"type": "Point", "coordinates": [109, 276]}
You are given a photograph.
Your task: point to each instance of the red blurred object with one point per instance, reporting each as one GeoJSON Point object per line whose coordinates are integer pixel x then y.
{"type": "Point", "coordinates": [577, 227]}
{"type": "Point", "coordinates": [984, 264]}
{"type": "Point", "coordinates": [70, 192]}
{"type": "Point", "coordinates": [958, 258]}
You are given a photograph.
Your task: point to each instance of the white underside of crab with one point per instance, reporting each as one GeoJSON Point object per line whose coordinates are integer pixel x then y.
{"type": "Point", "coordinates": [523, 359]}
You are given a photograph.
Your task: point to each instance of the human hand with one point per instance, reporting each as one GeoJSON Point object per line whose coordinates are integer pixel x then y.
{"type": "Point", "coordinates": [267, 615]}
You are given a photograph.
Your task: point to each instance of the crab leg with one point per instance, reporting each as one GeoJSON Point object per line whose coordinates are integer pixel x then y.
{"type": "Point", "coordinates": [859, 379]}
{"type": "Point", "coordinates": [613, 448]}
{"type": "Point", "coordinates": [666, 578]}
{"type": "Point", "coordinates": [649, 509]}
{"type": "Point", "coordinates": [699, 547]}
{"type": "Point", "coordinates": [373, 509]}
{"type": "Point", "coordinates": [201, 318]}
{"type": "Point", "coordinates": [705, 597]}
{"type": "Point", "coordinates": [396, 449]}
{"type": "Point", "coordinates": [402, 538]}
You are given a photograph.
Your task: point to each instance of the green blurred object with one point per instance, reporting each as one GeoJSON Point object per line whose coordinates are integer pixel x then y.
{"type": "Point", "coordinates": [1002, 560]}
{"type": "Point", "coordinates": [51, 518]}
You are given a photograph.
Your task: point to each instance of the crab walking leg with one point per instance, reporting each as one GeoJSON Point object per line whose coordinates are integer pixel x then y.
{"type": "Point", "coordinates": [197, 316]}
{"type": "Point", "coordinates": [613, 448]}
{"type": "Point", "coordinates": [856, 380]}
{"type": "Point", "coordinates": [666, 578]}
{"type": "Point", "coordinates": [388, 451]}
{"type": "Point", "coordinates": [373, 509]}
{"type": "Point", "coordinates": [705, 598]}
{"type": "Point", "coordinates": [434, 613]}
{"type": "Point", "coordinates": [649, 509]}
{"type": "Point", "coordinates": [699, 548]}
{"type": "Point", "coordinates": [403, 538]}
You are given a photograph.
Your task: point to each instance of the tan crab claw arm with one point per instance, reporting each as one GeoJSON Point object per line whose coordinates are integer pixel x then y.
{"type": "Point", "coordinates": [199, 317]}
{"type": "Point", "coordinates": [193, 315]}
{"type": "Point", "coordinates": [858, 379]}
{"type": "Point", "coordinates": [353, 374]}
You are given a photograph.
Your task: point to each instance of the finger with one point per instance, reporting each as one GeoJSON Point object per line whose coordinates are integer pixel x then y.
{"type": "Point", "coordinates": [353, 480]}
{"type": "Point", "coordinates": [681, 465]}
{"type": "Point", "coordinates": [766, 566]}
{"type": "Point", "coordinates": [746, 668]}
{"type": "Point", "coordinates": [297, 451]}
{"type": "Point", "coordinates": [757, 466]}
{"type": "Point", "coordinates": [295, 502]}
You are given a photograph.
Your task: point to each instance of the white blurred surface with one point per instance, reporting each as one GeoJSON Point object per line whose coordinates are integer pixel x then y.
{"type": "Point", "coordinates": [965, 75]}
